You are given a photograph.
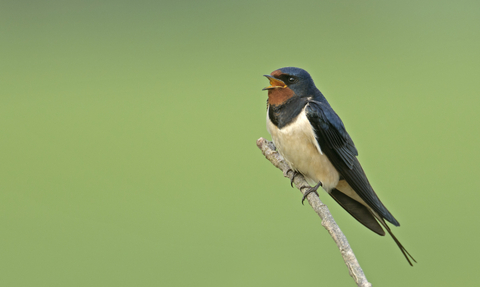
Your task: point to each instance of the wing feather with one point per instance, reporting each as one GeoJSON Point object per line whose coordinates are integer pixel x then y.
{"type": "Point", "coordinates": [337, 145]}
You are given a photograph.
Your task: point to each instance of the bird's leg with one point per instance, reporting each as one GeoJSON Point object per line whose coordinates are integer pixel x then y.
{"type": "Point", "coordinates": [310, 190]}
{"type": "Point", "coordinates": [295, 173]}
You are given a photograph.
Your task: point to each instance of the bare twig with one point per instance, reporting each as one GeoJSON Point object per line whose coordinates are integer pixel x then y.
{"type": "Point", "coordinates": [269, 151]}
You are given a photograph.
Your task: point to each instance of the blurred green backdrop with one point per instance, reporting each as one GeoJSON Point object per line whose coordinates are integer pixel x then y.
{"type": "Point", "coordinates": [128, 132]}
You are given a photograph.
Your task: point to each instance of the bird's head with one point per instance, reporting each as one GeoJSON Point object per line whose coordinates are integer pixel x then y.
{"type": "Point", "coordinates": [288, 82]}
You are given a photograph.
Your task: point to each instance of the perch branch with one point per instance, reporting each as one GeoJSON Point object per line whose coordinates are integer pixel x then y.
{"type": "Point", "coordinates": [269, 151]}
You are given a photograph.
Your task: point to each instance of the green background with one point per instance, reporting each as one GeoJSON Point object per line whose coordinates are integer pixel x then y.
{"type": "Point", "coordinates": [128, 129]}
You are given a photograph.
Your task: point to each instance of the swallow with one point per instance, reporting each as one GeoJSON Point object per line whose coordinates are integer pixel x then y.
{"type": "Point", "coordinates": [313, 140]}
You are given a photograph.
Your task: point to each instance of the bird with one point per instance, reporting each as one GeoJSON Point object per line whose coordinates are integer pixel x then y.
{"type": "Point", "coordinates": [312, 138]}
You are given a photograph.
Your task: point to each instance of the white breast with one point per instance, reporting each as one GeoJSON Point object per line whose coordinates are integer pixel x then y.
{"type": "Point", "coordinates": [296, 142]}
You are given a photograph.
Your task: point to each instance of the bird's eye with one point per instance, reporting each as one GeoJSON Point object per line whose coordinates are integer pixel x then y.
{"type": "Point", "coordinates": [291, 79]}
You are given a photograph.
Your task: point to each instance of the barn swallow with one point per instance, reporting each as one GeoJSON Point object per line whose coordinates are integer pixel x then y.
{"type": "Point", "coordinates": [313, 140]}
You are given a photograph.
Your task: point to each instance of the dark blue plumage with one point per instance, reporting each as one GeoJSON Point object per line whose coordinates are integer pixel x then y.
{"type": "Point", "coordinates": [340, 150]}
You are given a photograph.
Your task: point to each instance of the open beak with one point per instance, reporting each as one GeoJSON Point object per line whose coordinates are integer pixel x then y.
{"type": "Point", "coordinates": [274, 83]}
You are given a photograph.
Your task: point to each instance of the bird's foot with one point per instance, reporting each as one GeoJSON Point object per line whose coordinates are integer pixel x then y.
{"type": "Point", "coordinates": [295, 173]}
{"type": "Point", "coordinates": [310, 190]}
{"type": "Point", "coordinates": [285, 174]}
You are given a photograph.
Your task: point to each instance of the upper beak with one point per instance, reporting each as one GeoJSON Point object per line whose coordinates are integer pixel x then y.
{"type": "Point", "coordinates": [274, 83]}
